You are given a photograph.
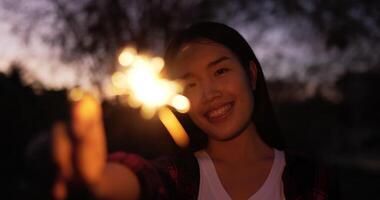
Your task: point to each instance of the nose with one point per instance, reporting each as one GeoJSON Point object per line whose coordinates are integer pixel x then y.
{"type": "Point", "coordinates": [210, 92]}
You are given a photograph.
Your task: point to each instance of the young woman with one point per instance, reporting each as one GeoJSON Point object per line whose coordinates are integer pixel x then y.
{"type": "Point", "coordinates": [243, 156]}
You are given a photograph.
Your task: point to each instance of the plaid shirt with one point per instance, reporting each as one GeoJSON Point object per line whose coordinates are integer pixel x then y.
{"type": "Point", "coordinates": [178, 177]}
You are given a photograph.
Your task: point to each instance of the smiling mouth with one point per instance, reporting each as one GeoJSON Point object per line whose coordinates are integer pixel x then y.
{"type": "Point", "coordinates": [220, 113]}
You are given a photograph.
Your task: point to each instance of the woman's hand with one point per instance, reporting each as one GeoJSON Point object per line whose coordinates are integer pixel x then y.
{"type": "Point", "coordinates": [79, 149]}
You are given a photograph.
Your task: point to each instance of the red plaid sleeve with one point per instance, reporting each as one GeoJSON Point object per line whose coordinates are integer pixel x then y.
{"type": "Point", "coordinates": [155, 183]}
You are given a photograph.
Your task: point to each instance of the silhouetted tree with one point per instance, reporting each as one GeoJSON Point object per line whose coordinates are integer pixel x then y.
{"type": "Point", "coordinates": [341, 21]}
{"type": "Point", "coordinates": [94, 31]}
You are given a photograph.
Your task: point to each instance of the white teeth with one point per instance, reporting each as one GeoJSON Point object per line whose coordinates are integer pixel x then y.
{"type": "Point", "coordinates": [219, 111]}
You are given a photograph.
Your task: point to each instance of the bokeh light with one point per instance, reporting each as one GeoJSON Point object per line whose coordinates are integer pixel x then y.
{"type": "Point", "coordinates": [143, 86]}
{"type": "Point", "coordinates": [157, 63]}
{"type": "Point", "coordinates": [127, 56]}
{"type": "Point", "coordinates": [180, 103]}
{"type": "Point", "coordinates": [174, 127]}
{"type": "Point", "coordinates": [76, 94]}
{"type": "Point", "coordinates": [138, 84]}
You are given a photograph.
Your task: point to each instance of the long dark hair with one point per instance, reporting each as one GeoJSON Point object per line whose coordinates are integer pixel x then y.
{"type": "Point", "coordinates": [263, 114]}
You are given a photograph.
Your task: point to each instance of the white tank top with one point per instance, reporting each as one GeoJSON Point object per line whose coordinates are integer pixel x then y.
{"type": "Point", "coordinates": [210, 186]}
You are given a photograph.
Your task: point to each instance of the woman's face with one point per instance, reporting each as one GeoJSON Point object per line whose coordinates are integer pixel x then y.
{"type": "Point", "coordinates": [218, 88]}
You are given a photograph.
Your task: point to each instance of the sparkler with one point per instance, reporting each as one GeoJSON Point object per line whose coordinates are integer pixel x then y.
{"type": "Point", "coordinates": [139, 84]}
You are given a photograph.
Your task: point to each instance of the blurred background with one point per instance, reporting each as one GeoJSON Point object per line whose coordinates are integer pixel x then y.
{"type": "Point", "coordinates": [321, 59]}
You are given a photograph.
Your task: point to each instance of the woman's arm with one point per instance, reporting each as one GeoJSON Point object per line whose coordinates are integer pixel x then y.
{"type": "Point", "coordinates": [117, 182]}
{"type": "Point", "coordinates": [80, 154]}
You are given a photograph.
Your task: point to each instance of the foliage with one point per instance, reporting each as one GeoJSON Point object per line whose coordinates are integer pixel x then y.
{"type": "Point", "coordinates": [94, 31]}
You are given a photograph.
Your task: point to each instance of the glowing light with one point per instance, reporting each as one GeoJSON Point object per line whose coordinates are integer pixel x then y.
{"type": "Point", "coordinates": [141, 86]}
{"type": "Point", "coordinates": [157, 63]}
{"type": "Point", "coordinates": [86, 109]}
{"type": "Point", "coordinates": [119, 80]}
{"type": "Point", "coordinates": [180, 103]}
{"type": "Point", "coordinates": [127, 56]}
{"type": "Point", "coordinates": [133, 102]}
{"type": "Point", "coordinates": [76, 94]}
{"type": "Point", "coordinates": [147, 112]}
{"type": "Point", "coordinates": [144, 86]}
{"type": "Point", "coordinates": [174, 127]}
{"type": "Point", "coordinates": [112, 91]}
{"type": "Point", "coordinates": [141, 62]}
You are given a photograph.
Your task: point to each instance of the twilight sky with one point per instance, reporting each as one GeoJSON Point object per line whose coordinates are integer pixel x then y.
{"type": "Point", "coordinates": [286, 47]}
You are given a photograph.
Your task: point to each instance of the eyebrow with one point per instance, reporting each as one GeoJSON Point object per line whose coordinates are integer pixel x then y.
{"type": "Point", "coordinates": [185, 76]}
{"type": "Point", "coordinates": [217, 61]}
{"type": "Point", "coordinates": [211, 64]}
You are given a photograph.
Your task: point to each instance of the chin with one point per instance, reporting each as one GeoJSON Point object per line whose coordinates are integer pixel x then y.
{"type": "Point", "coordinates": [228, 133]}
{"type": "Point", "coordinates": [224, 135]}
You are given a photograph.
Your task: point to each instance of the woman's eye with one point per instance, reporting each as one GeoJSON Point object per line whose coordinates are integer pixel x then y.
{"type": "Point", "coordinates": [221, 71]}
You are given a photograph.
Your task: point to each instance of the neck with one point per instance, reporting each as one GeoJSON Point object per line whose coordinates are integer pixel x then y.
{"type": "Point", "coordinates": [246, 147]}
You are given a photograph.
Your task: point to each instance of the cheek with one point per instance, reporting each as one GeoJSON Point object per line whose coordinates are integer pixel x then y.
{"type": "Point", "coordinates": [194, 107]}
{"type": "Point", "coordinates": [195, 118]}
{"type": "Point", "coordinates": [247, 93]}
{"type": "Point", "coordinates": [194, 99]}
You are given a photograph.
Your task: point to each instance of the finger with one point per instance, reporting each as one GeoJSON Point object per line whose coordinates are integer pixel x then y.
{"type": "Point", "coordinates": [86, 116]}
{"type": "Point", "coordinates": [59, 190]}
{"type": "Point", "coordinates": [88, 130]}
{"type": "Point", "coordinates": [62, 150]}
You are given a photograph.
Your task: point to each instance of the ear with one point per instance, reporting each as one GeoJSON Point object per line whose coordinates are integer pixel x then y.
{"type": "Point", "coordinates": [253, 74]}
